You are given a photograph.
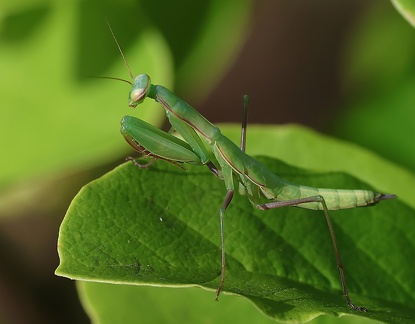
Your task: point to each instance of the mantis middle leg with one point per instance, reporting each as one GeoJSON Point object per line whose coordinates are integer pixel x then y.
{"type": "Point", "coordinates": [229, 196]}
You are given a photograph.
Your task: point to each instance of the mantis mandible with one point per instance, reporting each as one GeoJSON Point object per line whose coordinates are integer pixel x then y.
{"type": "Point", "coordinates": [204, 144]}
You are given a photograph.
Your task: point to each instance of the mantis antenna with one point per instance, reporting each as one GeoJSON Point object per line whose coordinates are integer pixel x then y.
{"type": "Point", "coordinates": [122, 54]}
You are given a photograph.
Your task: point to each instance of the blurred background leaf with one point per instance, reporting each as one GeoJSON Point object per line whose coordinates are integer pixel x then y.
{"type": "Point", "coordinates": [379, 80]}
{"type": "Point", "coordinates": [50, 49]}
{"type": "Point", "coordinates": [407, 9]}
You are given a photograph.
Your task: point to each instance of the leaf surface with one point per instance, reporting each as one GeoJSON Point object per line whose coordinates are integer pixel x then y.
{"type": "Point", "coordinates": [160, 227]}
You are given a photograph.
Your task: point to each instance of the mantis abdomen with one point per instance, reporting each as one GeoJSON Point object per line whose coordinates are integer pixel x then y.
{"type": "Point", "coordinates": [278, 189]}
{"type": "Point", "coordinates": [335, 198]}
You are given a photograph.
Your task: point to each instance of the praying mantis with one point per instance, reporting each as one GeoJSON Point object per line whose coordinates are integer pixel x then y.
{"type": "Point", "coordinates": [203, 144]}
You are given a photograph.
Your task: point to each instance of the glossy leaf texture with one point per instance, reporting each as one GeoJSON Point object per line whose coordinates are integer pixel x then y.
{"type": "Point", "coordinates": [160, 227]}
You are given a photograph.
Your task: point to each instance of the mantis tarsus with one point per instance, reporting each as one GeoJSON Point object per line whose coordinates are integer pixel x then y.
{"type": "Point", "coordinates": [204, 144]}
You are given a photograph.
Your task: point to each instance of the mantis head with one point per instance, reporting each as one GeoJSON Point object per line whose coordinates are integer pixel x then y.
{"type": "Point", "coordinates": [139, 90]}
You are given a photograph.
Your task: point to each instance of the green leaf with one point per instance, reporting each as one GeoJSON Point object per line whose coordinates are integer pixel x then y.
{"type": "Point", "coordinates": [108, 304]}
{"type": "Point", "coordinates": [407, 9]}
{"type": "Point", "coordinates": [160, 227]}
{"type": "Point", "coordinates": [378, 82]}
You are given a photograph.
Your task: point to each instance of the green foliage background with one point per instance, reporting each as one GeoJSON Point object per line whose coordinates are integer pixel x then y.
{"type": "Point", "coordinates": [59, 129]}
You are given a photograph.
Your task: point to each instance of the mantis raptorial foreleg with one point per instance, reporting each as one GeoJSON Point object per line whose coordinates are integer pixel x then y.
{"type": "Point", "coordinates": [143, 166]}
{"type": "Point", "coordinates": [204, 144]}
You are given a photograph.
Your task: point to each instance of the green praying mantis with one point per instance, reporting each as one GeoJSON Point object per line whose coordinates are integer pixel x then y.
{"type": "Point", "coordinates": [203, 144]}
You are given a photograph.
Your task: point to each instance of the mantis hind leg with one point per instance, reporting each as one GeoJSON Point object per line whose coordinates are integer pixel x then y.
{"type": "Point", "coordinates": [320, 199]}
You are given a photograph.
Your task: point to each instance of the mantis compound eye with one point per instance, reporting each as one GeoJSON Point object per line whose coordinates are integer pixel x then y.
{"type": "Point", "coordinates": [139, 90]}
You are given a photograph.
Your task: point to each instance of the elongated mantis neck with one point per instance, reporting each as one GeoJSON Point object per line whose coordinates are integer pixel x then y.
{"type": "Point", "coordinates": [152, 93]}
